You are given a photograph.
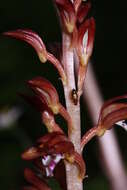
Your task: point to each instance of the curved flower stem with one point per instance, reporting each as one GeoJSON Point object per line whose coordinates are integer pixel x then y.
{"type": "Point", "coordinates": [88, 136]}
{"type": "Point", "coordinates": [63, 112]}
{"type": "Point", "coordinates": [74, 110]}
{"type": "Point", "coordinates": [58, 65]}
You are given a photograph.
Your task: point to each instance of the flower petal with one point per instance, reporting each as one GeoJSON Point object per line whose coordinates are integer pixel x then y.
{"type": "Point", "coordinates": [31, 38]}
{"type": "Point", "coordinates": [114, 117]}
{"type": "Point", "coordinates": [46, 90]}
{"type": "Point", "coordinates": [49, 121]}
{"type": "Point", "coordinates": [113, 111]}
{"type": "Point", "coordinates": [83, 11]}
{"type": "Point", "coordinates": [46, 114]}
{"type": "Point", "coordinates": [39, 104]}
{"type": "Point", "coordinates": [50, 162]}
{"type": "Point", "coordinates": [77, 4]}
{"type": "Point", "coordinates": [56, 143]}
{"type": "Point", "coordinates": [85, 45]}
{"type": "Point", "coordinates": [63, 148]}
{"type": "Point", "coordinates": [31, 153]}
{"type": "Point", "coordinates": [67, 13]}
{"type": "Point", "coordinates": [84, 49]}
{"type": "Point", "coordinates": [50, 144]}
{"type": "Point", "coordinates": [46, 138]}
{"type": "Point", "coordinates": [36, 42]}
{"type": "Point", "coordinates": [113, 100]}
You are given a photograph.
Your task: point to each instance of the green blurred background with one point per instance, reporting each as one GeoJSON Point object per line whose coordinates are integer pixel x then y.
{"type": "Point", "coordinates": [19, 62]}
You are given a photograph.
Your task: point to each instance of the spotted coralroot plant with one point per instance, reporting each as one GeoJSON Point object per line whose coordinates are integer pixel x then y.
{"type": "Point", "coordinates": [57, 153]}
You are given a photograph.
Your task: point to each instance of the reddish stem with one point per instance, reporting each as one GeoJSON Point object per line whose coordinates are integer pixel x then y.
{"type": "Point", "coordinates": [88, 136]}
{"type": "Point", "coordinates": [58, 65]}
{"type": "Point", "coordinates": [63, 112]}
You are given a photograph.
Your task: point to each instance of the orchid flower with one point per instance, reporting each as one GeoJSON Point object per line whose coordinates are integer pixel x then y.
{"type": "Point", "coordinates": [56, 147]}
{"type": "Point", "coordinates": [67, 14]}
{"type": "Point", "coordinates": [84, 48]}
{"type": "Point", "coordinates": [83, 11]}
{"type": "Point", "coordinates": [36, 42]}
{"type": "Point", "coordinates": [46, 114]}
{"type": "Point", "coordinates": [114, 111]}
{"type": "Point", "coordinates": [50, 150]}
{"type": "Point", "coordinates": [47, 92]}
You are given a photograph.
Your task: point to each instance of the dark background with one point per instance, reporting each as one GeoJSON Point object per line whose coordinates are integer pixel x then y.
{"type": "Point", "coordinates": [19, 62]}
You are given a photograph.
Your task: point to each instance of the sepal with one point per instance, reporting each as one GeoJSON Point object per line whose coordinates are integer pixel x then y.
{"type": "Point", "coordinates": [83, 11]}
{"type": "Point", "coordinates": [86, 34]}
{"type": "Point", "coordinates": [50, 149]}
{"type": "Point", "coordinates": [67, 14]}
{"type": "Point", "coordinates": [113, 111]}
{"type": "Point", "coordinates": [52, 143]}
{"type": "Point", "coordinates": [47, 92]}
{"type": "Point", "coordinates": [80, 164]}
{"type": "Point", "coordinates": [84, 49]}
{"type": "Point", "coordinates": [49, 121]}
{"type": "Point", "coordinates": [36, 42]}
{"type": "Point", "coordinates": [77, 4]}
{"type": "Point", "coordinates": [31, 38]}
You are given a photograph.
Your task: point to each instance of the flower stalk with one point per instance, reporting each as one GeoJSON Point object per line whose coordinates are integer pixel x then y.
{"type": "Point", "coordinates": [57, 147]}
{"type": "Point", "coordinates": [72, 173]}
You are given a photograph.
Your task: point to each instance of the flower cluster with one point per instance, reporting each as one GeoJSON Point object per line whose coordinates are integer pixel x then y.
{"type": "Point", "coordinates": [74, 21]}
{"type": "Point", "coordinates": [73, 16]}
{"type": "Point", "coordinates": [50, 150]}
{"type": "Point", "coordinates": [54, 146]}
